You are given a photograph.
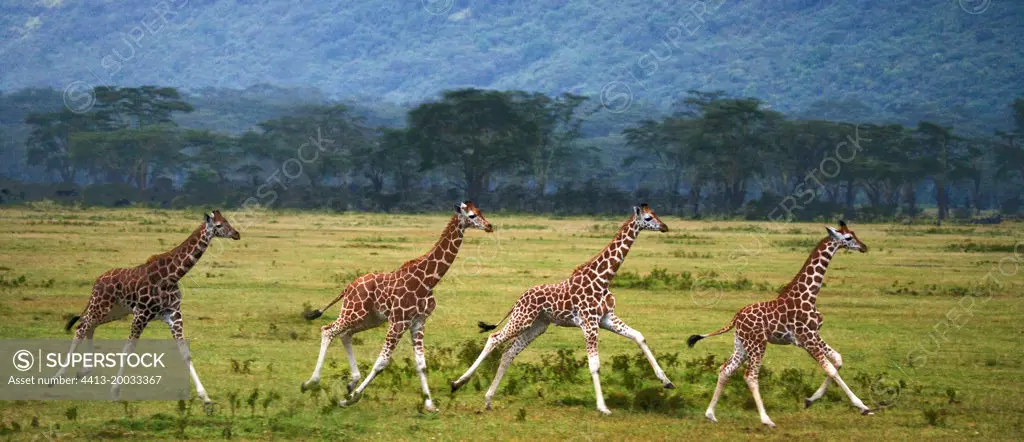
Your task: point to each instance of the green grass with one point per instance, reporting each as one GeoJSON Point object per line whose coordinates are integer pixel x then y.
{"type": "Point", "coordinates": [243, 306]}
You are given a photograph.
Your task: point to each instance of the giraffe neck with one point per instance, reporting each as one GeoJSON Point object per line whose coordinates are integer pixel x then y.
{"type": "Point", "coordinates": [440, 258]}
{"type": "Point", "coordinates": [604, 265]}
{"type": "Point", "coordinates": [182, 258]}
{"type": "Point", "coordinates": [806, 284]}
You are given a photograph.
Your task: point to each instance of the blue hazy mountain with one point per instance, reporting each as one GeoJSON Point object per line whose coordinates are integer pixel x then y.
{"type": "Point", "coordinates": [956, 62]}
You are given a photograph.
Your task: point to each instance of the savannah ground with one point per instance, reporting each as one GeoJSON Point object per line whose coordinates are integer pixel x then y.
{"type": "Point", "coordinates": [925, 335]}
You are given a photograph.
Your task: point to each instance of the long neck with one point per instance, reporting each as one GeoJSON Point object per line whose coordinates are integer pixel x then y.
{"type": "Point", "coordinates": [806, 284]}
{"type": "Point", "coordinates": [182, 258]}
{"type": "Point", "coordinates": [435, 263]}
{"type": "Point", "coordinates": [603, 266]}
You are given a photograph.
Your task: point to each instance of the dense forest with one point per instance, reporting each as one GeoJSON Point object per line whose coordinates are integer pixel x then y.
{"type": "Point", "coordinates": [794, 108]}
{"type": "Point", "coordinates": [715, 154]}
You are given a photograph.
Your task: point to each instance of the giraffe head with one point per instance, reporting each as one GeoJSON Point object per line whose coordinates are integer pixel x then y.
{"type": "Point", "coordinates": [220, 226]}
{"type": "Point", "coordinates": [647, 220]}
{"type": "Point", "coordinates": [470, 216]}
{"type": "Point", "coordinates": [846, 238]}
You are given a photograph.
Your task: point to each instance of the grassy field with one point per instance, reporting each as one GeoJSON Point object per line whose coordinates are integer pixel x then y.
{"type": "Point", "coordinates": [928, 323]}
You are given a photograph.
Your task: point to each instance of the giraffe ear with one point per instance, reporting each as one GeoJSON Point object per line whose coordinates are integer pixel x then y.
{"type": "Point", "coordinates": [842, 225]}
{"type": "Point", "coordinates": [636, 210]}
{"type": "Point", "coordinates": [208, 217]}
{"type": "Point", "coordinates": [833, 233]}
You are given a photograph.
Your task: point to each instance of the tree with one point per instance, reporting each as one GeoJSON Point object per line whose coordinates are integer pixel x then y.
{"type": "Point", "coordinates": [675, 142]}
{"type": "Point", "coordinates": [479, 132]}
{"type": "Point", "coordinates": [50, 141]}
{"type": "Point", "coordinates": [139, 107]}
{"type": "Point", "coordinates": [384, 157]}
{"type": "Point", "coordinates": [559, 123]}
{"type": "Point", "coordinates": [129, 155]}
{"type": "Point", "coordinates": [945, 157]}
{"type": "Point", "coordinates": [311, 141]}
{"type": "Point", "coordinates": [735, 139]}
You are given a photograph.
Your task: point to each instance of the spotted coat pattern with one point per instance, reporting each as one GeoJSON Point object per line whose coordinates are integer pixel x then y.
{"type": "Point", "coordinates": [791, 318]}
{"type": "Point", "coordinates": [403, 298]}
{"type": "Point", "coordinates": [149, 291]}
{"type": "Point", "coordinates": [583, 300]}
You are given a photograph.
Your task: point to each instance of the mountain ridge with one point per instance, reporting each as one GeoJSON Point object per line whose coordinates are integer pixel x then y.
{"type": "Point", "coordinates": [795, 55]}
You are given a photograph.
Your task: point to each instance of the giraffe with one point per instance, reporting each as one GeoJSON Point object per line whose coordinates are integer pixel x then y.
{"type": "Point", "coordinates": [148, 291]}
{"type": "Point", "coordinates": [791, 318]}
{"type": "Point", "coordinates": [582, 300]}
{"type": "Point", "coordinates": [403, 297]}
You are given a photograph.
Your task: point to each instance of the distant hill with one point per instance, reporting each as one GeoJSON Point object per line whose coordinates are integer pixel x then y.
{"type": "Point", "coordinates": [855, 59]}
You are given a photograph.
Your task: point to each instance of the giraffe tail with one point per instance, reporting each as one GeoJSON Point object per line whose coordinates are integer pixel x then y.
{"type": "Point", "coordinates": [485, 327]}
{"type": "Point", "coordinates": [313, 314]}
{"type": "Point", "coordinates": [694, 338]}
{"type": "Point", "coordinates": [71, 323]}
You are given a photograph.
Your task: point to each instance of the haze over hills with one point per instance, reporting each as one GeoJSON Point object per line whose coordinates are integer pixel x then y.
{"type": "Point", "coordinates": [905, 60]}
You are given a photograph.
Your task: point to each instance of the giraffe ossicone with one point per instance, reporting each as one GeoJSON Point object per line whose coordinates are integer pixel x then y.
{"type": "Point", "coordinates": [148, 291]}
{"type": "Point", "coordinates": [404, 298]}
{"type": "Point", "coordinates": [583, 300]}
{"type": "Point", "coordinates": [791, 318]}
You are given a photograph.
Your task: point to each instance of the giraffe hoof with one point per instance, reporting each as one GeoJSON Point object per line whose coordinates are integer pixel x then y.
{"type": "Point", "coordinates": [670, 386]}
{"type": "Point", "coordinates": [455, 386]}
{"type": "Point", "coordinates": [807, 403]}
{"type": "Point", "coordinates": [867, 412]}
{"type": "Point", "coordinates": [769, 424]}
{"type": "Point", "coordinates": [711, 417]}
{"type": "Point", "coordinates": [604, 411]}
{"type": "Point", "coordinates": [429, 406]}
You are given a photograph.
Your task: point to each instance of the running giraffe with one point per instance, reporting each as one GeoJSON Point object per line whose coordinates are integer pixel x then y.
{"type": "Point", "coordinates": [404, 297]}
{"type": "Point", "coordinates": [582, 300]}
{"type": "Point", "coordinates": [792, 318]}
{"type": "Point", "coordinates": [148, 291]}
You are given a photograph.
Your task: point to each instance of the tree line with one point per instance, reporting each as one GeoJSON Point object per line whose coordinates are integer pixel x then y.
{"type": "Point", "coordinates": [714, 155]}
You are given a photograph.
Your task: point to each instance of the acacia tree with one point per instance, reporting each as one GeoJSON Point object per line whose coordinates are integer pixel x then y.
{"type": "Point", "coordinates": [946, 155]}
{"type": "Point", "coordinates": [50, 142]}
{"type": "Point", "coordinates": [675, 143]}
{"type": "Point", "coordinates": [735, 139]}
{"type": "Point", "coordinates": [478, 132]}
{"type": "Point", "coordinates": [387, 157]}
{"type": "Point", "coordinates": [315, 136]}
{"type": "Point", "coordinates": [559, 123]}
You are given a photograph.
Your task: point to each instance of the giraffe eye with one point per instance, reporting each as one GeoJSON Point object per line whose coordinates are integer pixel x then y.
{"type": "Point", "coordinates": [472, 215]}
{"type": "Point", "coordinates": [647, 217]}
{"type": "Point", "coordinates": [219, 224]}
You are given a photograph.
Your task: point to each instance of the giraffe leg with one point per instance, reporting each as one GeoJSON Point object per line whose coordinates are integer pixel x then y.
{"type": "Point", "coordinates": [416, 334]}
{"type": "Point", "coordinates": [590, 328]}
{"type": "Point", "coordinates": [816, 347]}
{"type": "Point", "coordinates": [728, 368]}
{"type": "Point", "coordinates": [84, 330]}
{"type": "Point", "coordinates": [345, 325]}
{"type": "Point", "coordinates": [390, 342]}
{"type": "Point", "coordinates": [353, 367]}
{"type": "Point", "coordinates": [139, 323]}
{"type": "Point", "coordinates": [612, 322]}
{"type": "Point", "coordinates": [518, 321]}
{"type": "Point", "coordinates": [837, 360]}
{"type": "Point", "coordinates": [173, 319]}
{"type": "Point", "coordinates": [756, 352]}
{"type": "Point", "coordinates": [88, 349]}
{"type": "Point", "coordinates": [511, 352]}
